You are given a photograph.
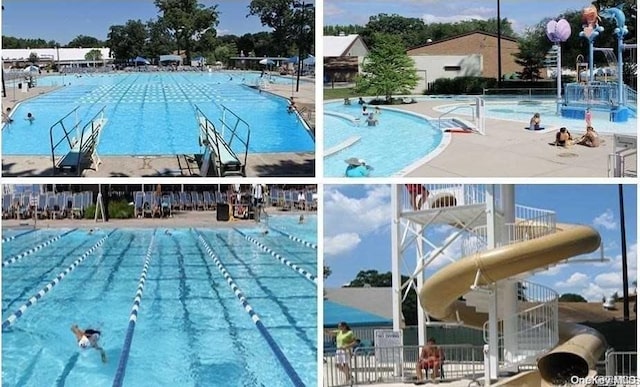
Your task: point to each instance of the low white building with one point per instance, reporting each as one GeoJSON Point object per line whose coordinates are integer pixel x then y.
{"type": "Point", "coordinates": [431, 67]}
{"type": "Point", "coordinates": [60, 56]}
{"type": "Point", "coordinates": [343, 56]}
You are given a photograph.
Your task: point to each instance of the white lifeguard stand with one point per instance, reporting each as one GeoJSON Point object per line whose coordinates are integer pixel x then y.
{"type": "Point", "coordinates": [482, 217]}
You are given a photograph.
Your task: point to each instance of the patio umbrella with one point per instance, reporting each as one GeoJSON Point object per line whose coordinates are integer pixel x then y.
{"type": "Point", "coordinates": [310, 61]}
{"type": "Point", "coordinates": [266, 61]}
{"type": "Point", "coordinates": [31, 69]}
{"type": "Point", "coordinates": [293, 59]}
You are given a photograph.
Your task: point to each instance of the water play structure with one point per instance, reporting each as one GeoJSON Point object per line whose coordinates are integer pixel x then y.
{"type": "Point", "coordinates": [615, 97]}
{"type": "Point", "coordinates": [485, 286]}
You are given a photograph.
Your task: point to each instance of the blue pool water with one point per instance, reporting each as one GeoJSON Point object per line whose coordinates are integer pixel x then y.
{"type": "Point", "coordinates": [153, 114]}
{"type": "Point", "coordinates": [398, 140]}
{"type": "Point", "coordinates": [510, 110]}
{"type": "Point", "coordinates": [191, 329]}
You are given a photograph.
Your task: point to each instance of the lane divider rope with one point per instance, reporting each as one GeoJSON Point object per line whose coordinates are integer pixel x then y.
{"type": "Point", "coordinates": [133, 317]}
{"type": "Point", "coordinates": [33, 300]}
{"type": "Point", "coordinates": [34, 249]}
{"type": "Point", "coordinates": [291, 372]}
{"type": "Point", "coordinates": [280, 258]}
{"type": "Point", "coordinates": [7, 239]}
{"type": "Point", "coordinates": [295, 238]}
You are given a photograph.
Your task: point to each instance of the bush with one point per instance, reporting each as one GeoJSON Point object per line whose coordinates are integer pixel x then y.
{"type": "Point", "coordinates": [461, 85]}
{"type": "Point", "coordinates": [117, 210]}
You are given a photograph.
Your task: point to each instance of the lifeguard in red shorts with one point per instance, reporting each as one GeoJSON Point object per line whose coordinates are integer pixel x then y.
{"type": "Point", "coordinates": [430, 357]}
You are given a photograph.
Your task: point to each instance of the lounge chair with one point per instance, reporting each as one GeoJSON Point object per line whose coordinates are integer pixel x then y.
{"type": "Point", "coordinates": [147, 205]}
{"type": "Point", "coordinates": [166, 205]}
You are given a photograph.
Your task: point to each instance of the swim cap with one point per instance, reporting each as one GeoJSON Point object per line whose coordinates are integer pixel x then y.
{"type": "Point", "coordinates": [84, 342]}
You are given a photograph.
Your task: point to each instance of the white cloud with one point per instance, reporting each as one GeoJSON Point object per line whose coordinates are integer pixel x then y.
{"type": "Point", "coordinates": [428, 18]}
{"type": "Point", "coordinates": [606, 220]}
{"type": "Point", "coordinates": [222, 31]}
{"type": "Point", "coordinates": [553, 270]}
{"type": "Point", "coordinates": [340, 244]}
{"type": "Point", "coordinates": [486, 11]}
{"type": "Point", "coordinates": [332, 10]}
{"type": "Point", "coordinates": [609, 280]}
{"type": "Point", "coordinates": [576, 280]}
{"type": "Point", "coordinates": [343, 214]}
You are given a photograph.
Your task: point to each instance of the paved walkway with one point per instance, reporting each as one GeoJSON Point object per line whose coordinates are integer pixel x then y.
{"type": "Point", "coordinates": [180, 219]}
{"type": "Point", "coordinates": [299, 164]}
{"type": "Point", "coordinates": [507, 150]}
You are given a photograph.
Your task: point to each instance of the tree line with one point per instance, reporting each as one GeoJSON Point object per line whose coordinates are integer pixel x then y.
{"type": "Point", "coordinates": [188, 27]}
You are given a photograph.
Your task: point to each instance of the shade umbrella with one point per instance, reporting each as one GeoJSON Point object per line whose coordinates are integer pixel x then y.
{"type": "Point", "coordinates": [310, 61]}
{"type": "Point", "coordinates": [266, 61]}
{"type": "Point", "coordinates": [293, 59]}
{"type": "Point", "coordinates": [31, 69]}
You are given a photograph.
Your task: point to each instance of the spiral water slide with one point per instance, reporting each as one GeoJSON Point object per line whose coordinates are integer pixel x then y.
{"type": "Point", "coordinates": [579, 346]}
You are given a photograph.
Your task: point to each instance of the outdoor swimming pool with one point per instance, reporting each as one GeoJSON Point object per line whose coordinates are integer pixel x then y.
{"type": "Point", "coordinates": [523, 111]}
{"type": "Point", "coordinates": [399, 139]}
{"type": "Point", "coordinates": [153, 113]}
{"type": "Point", "coordinates": [191, 329]}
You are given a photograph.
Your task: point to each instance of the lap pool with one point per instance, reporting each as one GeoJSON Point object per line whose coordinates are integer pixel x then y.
{"type": "Point", "coordinates": [153, 113]}
{"type": "Point", "coordinates": [191, 328]}
{"type": "Point", "coordinates": [399, 140]}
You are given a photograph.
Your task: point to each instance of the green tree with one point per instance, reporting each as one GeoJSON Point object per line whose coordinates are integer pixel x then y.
{"type": "Point", "coordinates": [373, 278]}
{"type": "Point", "coordinates": [289, 24]}
{"type": "Point", "coordinates": [225, 51]}
{"type": "Point", "coordinates": [85, 41]}
{"type": "Point", "coordinates": [387, 69]}
{"type": "Point", "coordinates": [93, 55]}
{"type": "Point", "coordinates": [412, 31]}
{"type": "Point", "coordinates": [188, 20]}
{"type": "Point", "coordinates": [160, 40]}
{"type": "Point", "coordinates": [571, 297]}
{"type": "Point", "coordinates": [128, 41]}
{"type": "Point", "coordinates": [33, 58]}
{"type": "Point", "coordinates": [529, 58]}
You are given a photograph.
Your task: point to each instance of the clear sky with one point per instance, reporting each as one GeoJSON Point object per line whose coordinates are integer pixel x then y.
{"type": "Point", "coordinates": [521, 13]}
{"type": "Point", "coordinates": [64, 20]}
{"type": "Point", "coordinates": [357, 226]}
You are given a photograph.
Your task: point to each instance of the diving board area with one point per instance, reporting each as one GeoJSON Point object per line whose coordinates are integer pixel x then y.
{"type": "Point", "coordinates": [81, 143]}
{"type": "Point", "coordinates": [219, 148]}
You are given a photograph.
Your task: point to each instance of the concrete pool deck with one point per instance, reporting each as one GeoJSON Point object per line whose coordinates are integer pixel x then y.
{"type": "Point", "coordinates": [294, 164]}
{"type": "Point", "coordinates": [507, 150]}
{"type": "Point", "coordinates": [180, 219]}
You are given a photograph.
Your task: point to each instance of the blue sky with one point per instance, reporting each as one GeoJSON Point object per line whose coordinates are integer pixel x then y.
{"type": "Point", "coordinates": [364, 241]}
{"type": "Point", "coordinates": [64, 20]}
{"type": "Point", "coordinates": [522, 14]}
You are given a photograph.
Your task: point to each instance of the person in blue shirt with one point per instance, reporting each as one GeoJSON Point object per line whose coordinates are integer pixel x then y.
{"type": "Point", "coordinates": [357, 168]}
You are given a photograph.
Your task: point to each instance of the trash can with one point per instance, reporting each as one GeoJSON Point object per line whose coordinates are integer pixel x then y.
{"type": "Point", "coordinates": [222, 212]}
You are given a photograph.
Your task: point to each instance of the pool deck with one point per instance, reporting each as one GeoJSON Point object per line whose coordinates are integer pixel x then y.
{"type": "Point", "coordinates": [508, 150]}
{"type": "Point", "coordinates": [293, 164]}
{"type": "Point", "coordinates": [180, 219]}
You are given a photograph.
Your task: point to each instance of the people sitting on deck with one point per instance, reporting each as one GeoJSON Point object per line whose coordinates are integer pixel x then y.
{"type": "Point", "coordinates": [6, 119]}
{"type": "Point", "coordinates": [372, 120]}
{"type": "Point", "coordinates": [30, 118]}
{"type": "Point", "coordinates": [361, 101]}
{"type": "Point", "coordinates": [563, 137]}
{"type": "Point", "coordinates": [347, 101]}
{"type": "Point", "coordinates": [89, 338]}
{"type": "Point", "coordinates": [534, 123]}
{"type": "Point", "coordinates": [590, 138]}
{"type": "Point", "coordinates": [357, 168]}
{"type": "Point", "coordinates": [430, 358]}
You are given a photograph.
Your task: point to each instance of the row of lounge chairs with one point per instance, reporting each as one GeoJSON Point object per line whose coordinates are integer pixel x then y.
{"type": "Point", "coordinates": [46, 206]}
{"type": "Point", "coordinates": [293, 199]}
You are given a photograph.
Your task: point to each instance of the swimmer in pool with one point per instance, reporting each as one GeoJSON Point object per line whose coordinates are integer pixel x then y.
{"type": "Point", "coordinates": [89, 338]}
{"type": "Point", "coordinates": [301, 219]}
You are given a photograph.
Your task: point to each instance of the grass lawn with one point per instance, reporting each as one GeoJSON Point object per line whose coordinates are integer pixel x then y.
{"type": "Point", "coordinates": [340, 93]}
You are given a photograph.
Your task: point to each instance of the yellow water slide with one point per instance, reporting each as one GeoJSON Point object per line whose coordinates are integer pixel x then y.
{"type": "Point", "coordinates": [580, 346]}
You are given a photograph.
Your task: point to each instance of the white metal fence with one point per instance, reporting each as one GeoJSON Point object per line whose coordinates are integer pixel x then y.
{"type": "Point", "coordinates": [374, 365]}
{"type": "Point", "coordinates": [464, 194]}
{"type": "Point", "coordinates": [621, 363]}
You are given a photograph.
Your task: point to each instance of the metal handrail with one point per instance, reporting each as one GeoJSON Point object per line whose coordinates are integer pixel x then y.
{"type": "Point", "coordinates": [234, 130]}
{"type": "Point", "coordinates": [452, 110]}
{"type": "Point", "coordinates": [612, 163]}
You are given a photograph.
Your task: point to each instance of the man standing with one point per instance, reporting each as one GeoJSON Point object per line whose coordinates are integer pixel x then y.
{"type": "Point", "coordinates": [257, 201]}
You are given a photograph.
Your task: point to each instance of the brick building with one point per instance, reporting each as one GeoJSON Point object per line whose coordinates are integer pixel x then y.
{"type": "Point", "coordinates": [467, 52]}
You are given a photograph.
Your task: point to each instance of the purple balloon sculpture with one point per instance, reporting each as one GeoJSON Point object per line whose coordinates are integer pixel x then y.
{"type": "Point", "coordinates": [558, 31]}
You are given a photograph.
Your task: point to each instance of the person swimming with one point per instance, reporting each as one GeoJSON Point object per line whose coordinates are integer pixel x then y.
{"type": "Point", "coordinates": [89, 338]}
{"type": "Point", "coordinates": [301, 219]}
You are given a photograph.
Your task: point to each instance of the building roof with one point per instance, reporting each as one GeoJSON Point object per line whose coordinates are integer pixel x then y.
{"type": "Point", "coordinates": [334, 313]}
{"type": "Point", "coordinates": [339, 45]}
{"type": "Point", "coordinates": [66, 54]}
{"type": "Point", "coordinates": [373, 300]}
{"type": "Point", "coordinates": [504, 37]}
